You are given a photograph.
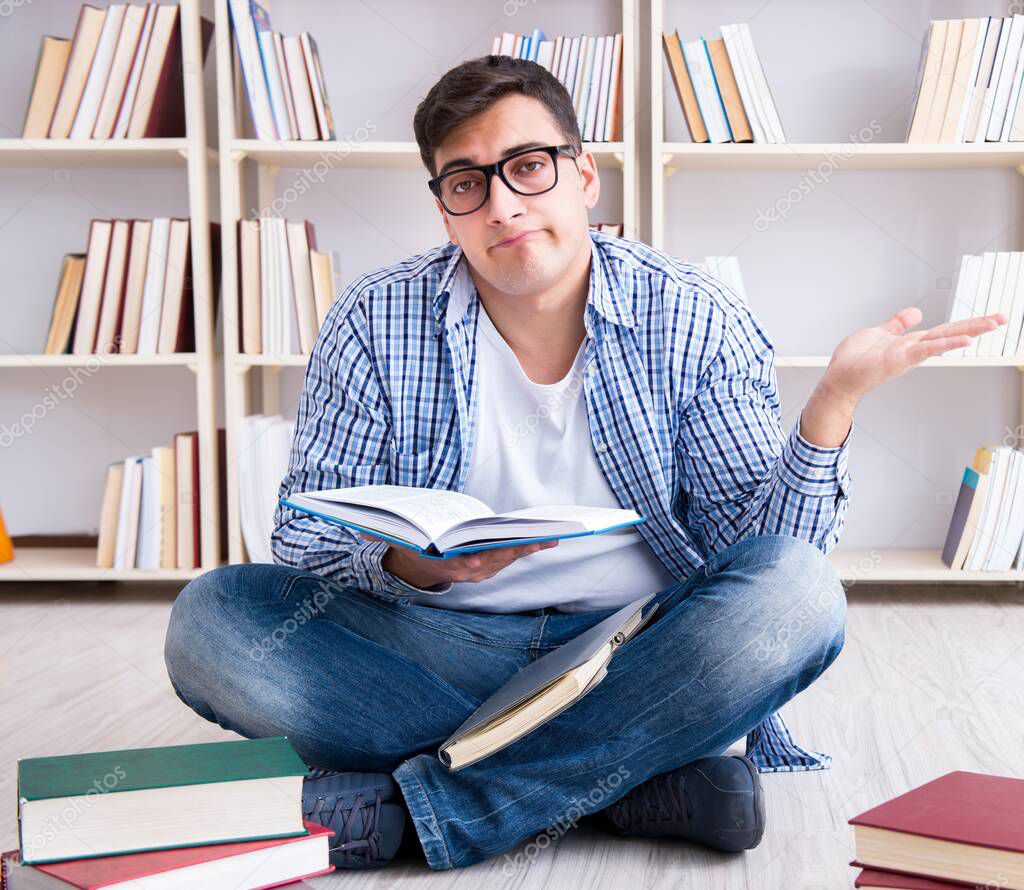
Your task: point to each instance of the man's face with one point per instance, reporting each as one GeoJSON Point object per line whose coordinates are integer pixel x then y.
{"type": "Point", "coordinates": [556, 221]}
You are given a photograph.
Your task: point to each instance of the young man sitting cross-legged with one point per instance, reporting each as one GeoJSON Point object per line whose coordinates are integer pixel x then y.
{"type": "Point", "coordinates": [532, 360]}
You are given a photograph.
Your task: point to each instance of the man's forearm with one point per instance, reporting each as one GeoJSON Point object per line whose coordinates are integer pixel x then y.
{"type": "Point", "coordinates": [826, 418]}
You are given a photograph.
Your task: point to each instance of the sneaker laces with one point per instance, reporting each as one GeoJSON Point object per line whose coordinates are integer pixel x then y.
{"type": "Point", "coordinates": [656, 800]}
{"type": "Point", "coordinates": [353, 850]}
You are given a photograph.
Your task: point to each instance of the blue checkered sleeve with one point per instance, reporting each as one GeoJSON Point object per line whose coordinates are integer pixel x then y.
{"type": "Point", "coordinates": [342, 438]}
{"type": "Point", "coordinates": [742, 474]}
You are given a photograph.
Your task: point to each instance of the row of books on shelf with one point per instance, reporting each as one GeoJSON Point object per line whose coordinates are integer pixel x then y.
{"type": "Point", "coordinates": [230, 815]}
{"type": "Point", "coordinates": [131, 291]}
{"type": "Point", "coordinates": [722, 87]}
{"type": "Point", "coordinates": [119, 76]}
{"type": "Point", "coordinates": [286, 287]}
{"type": "Point", "coordinates": [969, 82]}
{"type": "Point", "coordinates": [961, 829]}
{"type": "Point", "coordinates": [151, 509]}
{"type": "Point", "coordinates": [590, 69]}
{"type": "Point", "coordinates": [987, 527]}
{"type": "Point", "coordinates": [989, 283]}
{"type": "Point", "coordinates": [283, 78]}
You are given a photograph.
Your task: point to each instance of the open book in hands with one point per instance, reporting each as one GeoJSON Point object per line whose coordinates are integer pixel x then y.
{"type": "Point", "coordinates": [440, 524]}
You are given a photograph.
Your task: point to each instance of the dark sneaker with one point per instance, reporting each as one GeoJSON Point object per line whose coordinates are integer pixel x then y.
{"type": "Point", "coordinates": [715, 801]}
{"type": "Point", "coordinates": [364, 810]}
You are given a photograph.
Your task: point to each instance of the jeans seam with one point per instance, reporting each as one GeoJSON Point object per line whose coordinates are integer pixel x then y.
{"type": "Point", "coordinates": [433, 815]}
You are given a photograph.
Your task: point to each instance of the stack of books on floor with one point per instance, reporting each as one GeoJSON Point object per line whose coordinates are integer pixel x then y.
{"type": "Point", "coordinates": [152, 504]}
{"type": "Point", "coordinates": [286, 286]}
{"type": "Point", "coordinates": [264, 445]}
{"type": "Point", "coordinates": [216, 815]}
{"type": "Point", "coordinates": [723, 88]}
{"type": "Point", "coordinates": [282, 75]}
{"type": "Point", "coordinates": [991, 282]}
{"type": "Point", "coordinates": [130, 292]}
{"type": "Point", "coordinates": [969, 82]}
{"type": "Point", "coordinates": [987, 526]}
{"type": "Point", "coordinates": [960, 829]}
{"type": "Point", "coordinates": [590, 69]}
{"type": "Point", "coordinates": [119, 77]}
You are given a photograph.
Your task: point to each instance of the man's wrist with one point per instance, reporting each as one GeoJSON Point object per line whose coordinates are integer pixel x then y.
{"type": "Point", "coordinates": [390, 562]}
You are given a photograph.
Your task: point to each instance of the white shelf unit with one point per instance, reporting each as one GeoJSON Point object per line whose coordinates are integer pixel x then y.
{"type": "Point", "coordinates": [668, 158]}
{"type": "Point", "coordinates": [270, 157]}
{"type": "Point", "coordinates": [194, 157]}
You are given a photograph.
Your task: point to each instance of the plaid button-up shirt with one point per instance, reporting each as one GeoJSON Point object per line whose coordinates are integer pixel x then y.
{"type": "Point", "coordinates": [681, 395]}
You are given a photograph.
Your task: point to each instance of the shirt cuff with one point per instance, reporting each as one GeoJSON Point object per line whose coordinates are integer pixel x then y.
{"type": "Point", "coordinates": [814, 470]}
{"type": "Point", "coordinates": [371, 575]}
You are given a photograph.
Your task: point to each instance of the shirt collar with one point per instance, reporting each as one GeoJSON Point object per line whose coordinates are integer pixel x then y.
{"type": "Point", "coordinates": [606, 297]}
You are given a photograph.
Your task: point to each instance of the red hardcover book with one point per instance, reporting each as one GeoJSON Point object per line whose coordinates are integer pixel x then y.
{"type": "Point", "coordinates": [962, 827]}
{"type": "Point", "coordinates": [870, 878]}
{"type": "Point", "coordinates": [202, 866]}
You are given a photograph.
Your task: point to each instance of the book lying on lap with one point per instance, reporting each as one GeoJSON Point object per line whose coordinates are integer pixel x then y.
{"type": "Point", "coordinates": [544, 688]}
{"type": "Point", "coordinates": [249, 865]}
{"type": "Point", "coordinates": [440, 524]}
{"type": "Point", "coordinates": [961, 827]}
{"type": "Point", "coordinates": [155, 798]}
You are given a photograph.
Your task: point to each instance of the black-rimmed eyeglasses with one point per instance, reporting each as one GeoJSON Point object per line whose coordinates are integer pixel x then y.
{"type": "Point", "coordinates": [529, 172]}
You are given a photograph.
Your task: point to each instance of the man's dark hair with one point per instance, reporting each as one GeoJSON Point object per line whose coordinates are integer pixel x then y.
{"type": "Point", "coordinates": [472, 87]}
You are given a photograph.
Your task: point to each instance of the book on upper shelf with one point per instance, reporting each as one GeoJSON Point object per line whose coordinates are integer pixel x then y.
{"type": "Point", "coordinates": [282, 77]}
{"type": "Point", "coordinates": [963, 827]}
{"type": "Point", "coordinates": [722, 87]}
{"type": "Point", "coordinates": [119, 76]}
{"type": "Point", "coordinates": [544, 688]}
{"type": "Point", "coordinates": [158, 798]}
{"type": "Point", "coordinates": [245, 865]}
{"type": "Point", "coordinates": [590, 69]}
{"type": "Point", "coordinates": [969, 77]}
{"type": "Point", "coordinates": [440, 524]}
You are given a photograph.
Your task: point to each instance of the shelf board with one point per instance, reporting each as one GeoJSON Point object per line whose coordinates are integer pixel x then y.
{"type": "Point", "coordinates": [384, 155]}
{"type": "Point", "coordinates": [113, 360]}
{"type": "Point", "coordinates": [846, 156]}
{"type": "Point", "coordinates": [78, 564]}
{"type": "Point", "coordinates": [78, 153]}
{"type": "Point", "coordinates": [875, 565]}
{"type": "Point", "coordinates": [935, 361]}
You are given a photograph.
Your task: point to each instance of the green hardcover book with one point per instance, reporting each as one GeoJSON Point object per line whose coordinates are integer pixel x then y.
{"type": "Point", "coordinates": [102, 803]}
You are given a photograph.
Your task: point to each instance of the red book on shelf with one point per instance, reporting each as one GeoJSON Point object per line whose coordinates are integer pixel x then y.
{"type": "Point", "coordinates": [274, 862]}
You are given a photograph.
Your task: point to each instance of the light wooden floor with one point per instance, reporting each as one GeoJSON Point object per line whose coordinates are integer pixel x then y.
{"type": "Point", "coordinates": [929, 681]}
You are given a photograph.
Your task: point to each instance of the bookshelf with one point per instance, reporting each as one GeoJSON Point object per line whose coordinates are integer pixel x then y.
{"type": "Point", "coordinates": [193, 157]}
{"type": "Point", "coordinates": [244, 160]}
{"type": "Point", "coordinates": [883, 563]}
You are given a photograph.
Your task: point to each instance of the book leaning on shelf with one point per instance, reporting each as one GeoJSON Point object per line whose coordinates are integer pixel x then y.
{"type": "Point", "coordinates": [220, 814]}
{"type": "Point", "coordinates": [590, 69]}
{"type": "Point", "coordinates": [118, 77]}
{"type": "Point", "coordinates": [989, 283]}
{"type": "Point", "coordinates": [722, 88]}
{"type": "Point", "coordinates": [282, 76]}
{"type": "Point", "coordinates": [286, 286]}
{"type": "Point", "coordinates": [969, 82]}
{"type": "Point", "coordinates": [152, 506]}
{"type": "Point", "coordinates": [439, 524]}
{"type": "Point", "coordinates": [986, 530]}
{"type": "Point", "coordinates": [131, 291]}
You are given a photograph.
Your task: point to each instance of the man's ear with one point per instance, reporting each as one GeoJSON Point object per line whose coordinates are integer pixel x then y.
{"type": "Point", "coordinates": [590, 181]}
{"type": "Point", "coordinates": [446, 220]}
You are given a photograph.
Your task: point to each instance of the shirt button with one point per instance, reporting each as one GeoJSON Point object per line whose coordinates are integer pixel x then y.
{"type": "Point", "coordinates": [602, 447]}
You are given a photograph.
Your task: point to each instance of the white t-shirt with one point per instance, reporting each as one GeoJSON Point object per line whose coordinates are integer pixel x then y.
{"type": "Point", "coordinates": [533, 447]}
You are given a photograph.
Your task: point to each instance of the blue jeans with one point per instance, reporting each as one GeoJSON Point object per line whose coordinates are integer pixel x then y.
{"type": "Point", "coordinates": [363, 683]}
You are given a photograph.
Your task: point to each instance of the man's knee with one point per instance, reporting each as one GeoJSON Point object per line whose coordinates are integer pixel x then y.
{"type": "Point", "coordinates": [801, 598]}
